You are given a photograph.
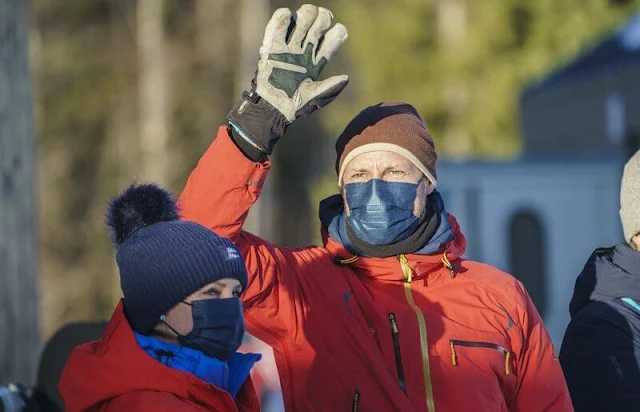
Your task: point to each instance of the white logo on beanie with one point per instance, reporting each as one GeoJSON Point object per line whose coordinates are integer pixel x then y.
{"type": "Point", "coordinates": [232, 254]}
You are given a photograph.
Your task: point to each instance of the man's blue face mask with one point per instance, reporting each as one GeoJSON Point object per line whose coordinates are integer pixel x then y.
{"type": "Point", "coordinates": [381, 212]}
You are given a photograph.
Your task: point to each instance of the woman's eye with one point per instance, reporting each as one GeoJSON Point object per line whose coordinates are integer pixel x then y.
{"type": "Point", "coordinates": [213, 292]}
{"type": "Point", "coordinates": [237, 293]}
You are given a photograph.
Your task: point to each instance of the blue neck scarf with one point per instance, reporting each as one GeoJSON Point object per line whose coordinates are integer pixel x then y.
{"type": "Point", "coordinates": [228, 376]}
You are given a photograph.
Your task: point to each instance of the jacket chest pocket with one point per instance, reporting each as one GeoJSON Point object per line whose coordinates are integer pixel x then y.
{"type": "Point", "coordinates": [482, 365]}
{"type": "Point", "coordinates": [481, 354]}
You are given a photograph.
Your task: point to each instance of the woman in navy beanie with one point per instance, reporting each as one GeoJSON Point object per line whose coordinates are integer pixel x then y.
{"type": "Point", "coordinates": [171, 343]}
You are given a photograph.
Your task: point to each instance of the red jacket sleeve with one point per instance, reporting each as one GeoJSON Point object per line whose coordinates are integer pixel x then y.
{"type": "Point", "coordinates": [223, 187]}
{"type": "Point", "coordinates": [218, 195]}
{"type": "Point", "coordinates": [541, 383]}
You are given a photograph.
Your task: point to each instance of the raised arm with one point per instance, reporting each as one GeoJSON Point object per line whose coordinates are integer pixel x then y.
{"type": "Point", "coordinates": [228, 179]}
{"type": "Point", "coordinates": [231, 174]}
{"type": "Point", "coordinates": [218, 195]}
{"type": "Point", "coordinates": [223, 187]}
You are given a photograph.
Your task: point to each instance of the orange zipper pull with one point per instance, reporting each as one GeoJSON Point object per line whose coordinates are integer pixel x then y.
{"type": "Point", "coordinates": [346, 261]}
{"type": "Point", "coordinates": [507, 363]}
{"type": "Point", "coordinates": [454, 357]}
{"type": "Point", "coordinates": [448, 265]}
{"type": "Point", "coordinates": [406, 269]}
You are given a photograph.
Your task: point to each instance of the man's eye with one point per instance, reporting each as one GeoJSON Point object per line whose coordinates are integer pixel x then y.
{"type": "Point", "coordinates": [237, 293]}
{"type": "Point", "coordinates": [357, 175]}
{"type": "Point", "coordinates": [213, 292]}
{"type": "Point", "coordinates": [396, 172]}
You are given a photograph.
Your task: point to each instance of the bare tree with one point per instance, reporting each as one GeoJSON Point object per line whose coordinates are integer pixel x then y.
{"type": "Point", "coordinates": [19, 326]}
{"type": "Point", "coordinates": [153, 107]}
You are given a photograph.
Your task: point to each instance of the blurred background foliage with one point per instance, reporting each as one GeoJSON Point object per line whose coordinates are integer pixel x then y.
{"type": "Point", "coordinates": [132, 91]}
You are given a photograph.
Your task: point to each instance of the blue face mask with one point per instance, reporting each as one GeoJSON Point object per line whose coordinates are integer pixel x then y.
{"type": "Point", "coordinates": [218, 327]}
{"type": "Point", "coordinates": [381, 212]}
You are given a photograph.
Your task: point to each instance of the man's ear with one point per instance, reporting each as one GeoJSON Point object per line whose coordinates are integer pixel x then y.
{"type": "Point", "coordinates": [424, 189]}
{"type": "Point", "coordinates": [430, 186]}
{"type": "Point", "coordinates": [635, 242]}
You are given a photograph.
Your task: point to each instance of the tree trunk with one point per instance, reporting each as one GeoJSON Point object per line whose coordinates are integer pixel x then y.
{"type": "Point", "coordinates": [19, 326]}
{"type": "Point", "coordinates": [153, 107]}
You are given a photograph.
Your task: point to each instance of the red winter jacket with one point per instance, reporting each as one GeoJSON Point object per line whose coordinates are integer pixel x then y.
{"type": "Point", "coordinates": [114, 374]}
{"type": "Point", "coordinates": [356, 336]}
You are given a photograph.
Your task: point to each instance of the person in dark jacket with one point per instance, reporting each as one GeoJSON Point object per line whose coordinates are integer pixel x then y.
{"type": "Point", "coordinates": [600, 353]}
{"type": "Point", "coordinates": [171, 343]}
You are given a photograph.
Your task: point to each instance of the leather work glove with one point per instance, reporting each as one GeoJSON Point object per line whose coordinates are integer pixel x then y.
{"type": "Point", "coordinates": [294, 51]}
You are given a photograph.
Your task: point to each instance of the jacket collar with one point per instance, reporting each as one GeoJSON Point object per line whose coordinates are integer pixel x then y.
{"type": "Point", "coordinates": [610, 273]}
{"type": "Point", "coordinates": [228, 376]}
{"type": "Point", "coordinates": [389, 268]}
{"type": "Point", "coordinates": [627, 259]}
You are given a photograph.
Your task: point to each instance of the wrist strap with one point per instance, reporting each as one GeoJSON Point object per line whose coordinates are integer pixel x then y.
{"type": "Point", "coordinates": [256, 125]}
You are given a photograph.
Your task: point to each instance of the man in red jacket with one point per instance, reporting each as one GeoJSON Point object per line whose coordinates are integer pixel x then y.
{"type": "Point", "coordinates": [386, 315]}
{"type": "Point", "coordinates": [171, 343]}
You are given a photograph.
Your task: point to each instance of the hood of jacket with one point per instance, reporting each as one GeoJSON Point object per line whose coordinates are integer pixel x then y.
{"type": "Point", "coordinates": [608, 274]}
{"type": "Point", "coordinates": [102, 370]}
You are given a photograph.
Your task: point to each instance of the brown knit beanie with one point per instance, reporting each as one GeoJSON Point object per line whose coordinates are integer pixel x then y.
{"type": "Point", "coordinates": [630, 198]}
{"type": "Point", "coordinates": [395, 127]}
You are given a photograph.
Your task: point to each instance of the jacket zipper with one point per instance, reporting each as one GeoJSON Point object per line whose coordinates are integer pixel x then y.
{"type": "Point", "coordinates": [487, 345]}
{"type": "Point", "coordinates": [396, 351]}
{"type": "Point", "coordinates": [356, 401]}
{"type": "Point", "coordinates": [422, 326]}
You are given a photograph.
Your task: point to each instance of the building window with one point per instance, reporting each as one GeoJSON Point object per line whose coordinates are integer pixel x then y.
{"type": "Point", "coordinates": [527, 256]}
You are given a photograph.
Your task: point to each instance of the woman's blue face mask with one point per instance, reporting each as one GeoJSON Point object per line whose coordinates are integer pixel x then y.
{"type": "Point", "coordinates": [381, 212]}
{"type": "Point", "coordinates": [218, 327]}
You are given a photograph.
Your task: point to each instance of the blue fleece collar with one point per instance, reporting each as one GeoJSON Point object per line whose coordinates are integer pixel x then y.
{"type": "Point", "coordinates": [332, 213]}
{"type": "Point", "coordinates": [228, 376]}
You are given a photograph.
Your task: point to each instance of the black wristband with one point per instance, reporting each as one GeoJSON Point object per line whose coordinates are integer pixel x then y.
{"type": "Point", "coordinates": [259, 121]}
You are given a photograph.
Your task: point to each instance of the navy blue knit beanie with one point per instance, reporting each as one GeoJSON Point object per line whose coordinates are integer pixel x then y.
{"type": "Point", "coordinates": [162, 260]}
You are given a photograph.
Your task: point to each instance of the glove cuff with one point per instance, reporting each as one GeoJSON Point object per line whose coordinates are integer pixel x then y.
{"type": "Point", "coordinates": [248, 149]}
{"type": "Point", "coordinates": [259, 121]}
